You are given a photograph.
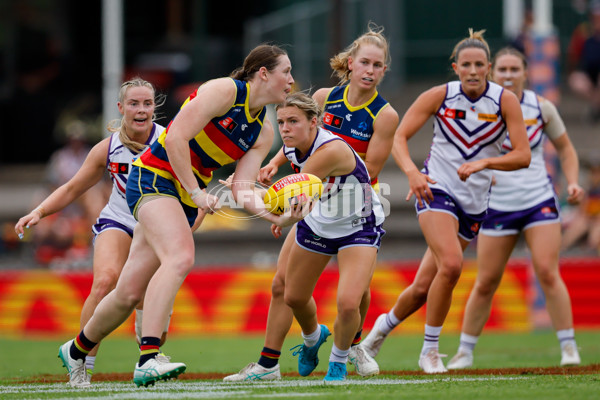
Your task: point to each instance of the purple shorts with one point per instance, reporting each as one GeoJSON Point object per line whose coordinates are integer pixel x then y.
{"type": "Point", "coordinates": [468, 224]}
{"type": "Point", "coordinates": [505, 223]}
{"type": "Point", "coordinates": [104, 224]}
{"type": "Point", "coordinates": [306, 238]}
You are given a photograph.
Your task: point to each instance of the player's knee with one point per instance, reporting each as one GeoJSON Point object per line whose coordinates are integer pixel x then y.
{"type": "Point", "coordinates": [295, 300]}
{"type": "Point", "coordinates": [547, 277]}
{"type": "Point", "coordinates": [450, 268]}
{"type": "Point", "coordinates": [103, 284]}
{"type": "Point", "coordinates": [128, 300]}
{"type": "Point", "coordinates": [486, 288]}
{"type": "Point", "coordinates": [419, 292]}
{"type": "Point", "coordinates": [277, 286]}
{"type": "Point", "coordinates": [348, 309]}
{"type": "Point", "coordinates": [182, 262]}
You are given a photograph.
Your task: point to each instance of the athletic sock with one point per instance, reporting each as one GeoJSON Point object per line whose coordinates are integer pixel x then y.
{"type": "Point", "coordinates": [389, 323]}
{"type": "Point", "coordinates": [139, 317]}
{"type": "Point", "coordinates": [269, 357]}
{"type": "Point", "coordinates": [149, 349]}
{"type": "Point", "coordinates": [81, 347]}
{"type": "Point", "coordinates": [565, 337]}
{"type": "Point", "coordinates": [467, 343]}
{"type": "Point", "coordinates": [90, 362]}
{"type": "Point", "coordinates": [432, 338]}
{"type": "Point", "coordinates": [357, 338]}
{"type": "Point", "coordinates": [312, 339]}
{"type": "Point", "coordinates": [338, 355]}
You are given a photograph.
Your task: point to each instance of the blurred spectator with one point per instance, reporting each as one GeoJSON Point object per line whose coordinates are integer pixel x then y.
{"type": "Point", "coordinates": [584, 60]}
{"type": "Point", "coordinates": [585, 220]}
{"type": "Point", "coordinates": [65, 237]}
{"type": "Point", "coordinates": [65, 162]}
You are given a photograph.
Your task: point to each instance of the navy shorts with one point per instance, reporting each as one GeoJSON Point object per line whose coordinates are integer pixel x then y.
{"type": "Point", "coordinates": [306, 238]}
{"type": "Point", "coordinates": [468, 224]}
{"type": "Point", "coordinates": [143, 182]}
{"type": "Point", "coordinates": [505, 223]}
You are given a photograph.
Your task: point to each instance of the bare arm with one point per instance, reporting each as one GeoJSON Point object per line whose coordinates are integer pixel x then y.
{"type": "Point", "coordinates": [267, 172]}
{"type": "Point", "coordinates": [556, 131]}
{"type": "Point", "coordinates": [570, 166]}
{"type": "Point", "coordinates": [382, 140]}
{"type": "Point", "coordinates": [213, 99]}
{"type": "Point", "coordinates": [88, 175]}
{"type": "Point", "coordinates": [415, 117]}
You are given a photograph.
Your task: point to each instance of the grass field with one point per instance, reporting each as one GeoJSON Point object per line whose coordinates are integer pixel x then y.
{"type": "Point", "coordinates": [31, 370]}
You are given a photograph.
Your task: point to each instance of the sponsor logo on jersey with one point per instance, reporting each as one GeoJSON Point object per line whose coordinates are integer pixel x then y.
{"type": "Point", "coordinates": [360, 135]}
{"type": "Point", "coordinates": [333, 120]}
{"type": "Point", "coordinates": [487, 117]}
{"type": "Point", "coordinates": [228, 123]}
{"type": "Point", "coordinates": [119, 168]}
{"type": "Point", "coordinates": [454, 114]}
{"type": "Point", "coordinates": [530, 122]}
{"type": "Point", "coordinates": [243, 143]}
{"type": "Point", "coordinates": [348, 117]}
{"type": "Point", "coordinates": [362, 126]}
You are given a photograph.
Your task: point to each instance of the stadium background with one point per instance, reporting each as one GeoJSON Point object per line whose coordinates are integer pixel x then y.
{"type": "Point", "coordinates": [176, 44]}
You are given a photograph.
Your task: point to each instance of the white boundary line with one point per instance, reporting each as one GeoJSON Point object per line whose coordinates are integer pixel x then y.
{"type": "Point", "coordinates": [210, 389]}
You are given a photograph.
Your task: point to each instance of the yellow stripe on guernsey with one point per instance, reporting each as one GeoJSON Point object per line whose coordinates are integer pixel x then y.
{"type": "Point", "coordinates": [224, 140]}
{"type": "Point", "coordinates": [365, 105]}
{"type": "Point", "coordinates": [212, 150]}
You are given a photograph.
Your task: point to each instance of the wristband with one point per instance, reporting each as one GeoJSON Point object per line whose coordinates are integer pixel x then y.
{"type": "Point", "coordinates": [195, 192]}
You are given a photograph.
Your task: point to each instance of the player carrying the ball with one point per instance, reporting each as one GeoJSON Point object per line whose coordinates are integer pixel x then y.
{"type": "Point", "coordinates": [367, 123]}
{"type": "Point", "coordinates": [346, 222]}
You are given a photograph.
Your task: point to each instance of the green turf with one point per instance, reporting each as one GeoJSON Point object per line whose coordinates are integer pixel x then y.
{"type": "Point", "coordinates": [538, 387]}
{"type": "Point", "coordinates": [26, 359]}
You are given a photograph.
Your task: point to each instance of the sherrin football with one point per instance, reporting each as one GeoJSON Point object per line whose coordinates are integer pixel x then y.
{"type": "Point", "coordinates": [296, 186]}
